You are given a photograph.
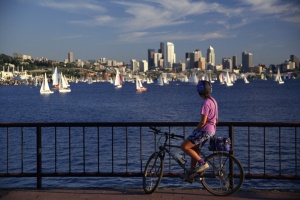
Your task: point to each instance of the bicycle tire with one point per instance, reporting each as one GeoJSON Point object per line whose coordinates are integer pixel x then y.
{"type": "Point", "coordinates": [153, 173]}
{"type": "Point", "coordinates": [217, 179]}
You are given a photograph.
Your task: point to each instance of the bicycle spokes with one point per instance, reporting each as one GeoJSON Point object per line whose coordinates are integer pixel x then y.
{"type": "Point", "coordinates": [225, 175]}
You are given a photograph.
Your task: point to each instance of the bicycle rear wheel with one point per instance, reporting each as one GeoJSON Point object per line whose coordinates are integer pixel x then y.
{"type": "Point", "coordinates": [153, 173]}
{"type": "Point", "coordinates": [225, 175]}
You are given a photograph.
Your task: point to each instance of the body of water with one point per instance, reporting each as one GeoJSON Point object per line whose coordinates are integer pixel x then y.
{"type": "Point", "coordinates": [258, 101]}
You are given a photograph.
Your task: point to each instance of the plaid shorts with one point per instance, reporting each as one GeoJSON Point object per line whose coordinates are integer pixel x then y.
{"type": "Point", "coordinates": [200, 137]}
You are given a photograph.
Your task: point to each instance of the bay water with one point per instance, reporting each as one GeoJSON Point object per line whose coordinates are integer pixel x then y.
{"type": "Point", "coordinates": [258, 101]}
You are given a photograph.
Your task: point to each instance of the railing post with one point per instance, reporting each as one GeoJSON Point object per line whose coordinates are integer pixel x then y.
{"type": "Point", "coordinates": [231, 136]}
{"type": "Point", "coordinates": [231, 152]}
{"type": "Point", "coordinates": [39, 157]}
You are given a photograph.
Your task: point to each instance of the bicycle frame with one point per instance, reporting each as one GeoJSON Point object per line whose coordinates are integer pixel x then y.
{"type": "Point", "coordinates": [163, 149]}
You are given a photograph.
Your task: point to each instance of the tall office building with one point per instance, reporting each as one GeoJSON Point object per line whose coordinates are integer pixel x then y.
{"type": "Point", "coordinates": [158, 60]}
{"type": "Point", "coordinates": [170, 55]}
{"type": "Point", "coordinates": [295, 59]}
{"type": "Point", "coordinates": [227, 64]}
{"type": "Point", "coordinates": [210, 56]}
{"type": "Point", "coordinates": [247, 61]}
{"type": "Point", "coordinates": [143, 66]}
{"type": "Point", "coordinates": [151, 53]}
{"type": "Point", "coordinates": [197, 55]}
{"type": "Point", "coordinates": [234, 62]}
{"type": "Point", "coordinates": [134, 65]}
{"type": "Point", "coordinates": [197, 58]}
{"type": "Point", "coordinates": [162, 50]}
{"type": "Point", "coordinates": [70, 57]}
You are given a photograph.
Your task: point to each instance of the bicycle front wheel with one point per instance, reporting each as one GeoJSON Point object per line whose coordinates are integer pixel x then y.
{"type": "Point", "coordinates": [153, 173]}
{"type": "Point", "coordinates": [225, 175]}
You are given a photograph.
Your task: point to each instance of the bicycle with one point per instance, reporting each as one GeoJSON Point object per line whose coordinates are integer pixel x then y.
{"type": "Point", "coordinates": [224, 177]}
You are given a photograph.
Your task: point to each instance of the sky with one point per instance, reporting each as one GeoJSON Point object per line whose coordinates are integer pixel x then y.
{"type": "Point", "coordinates": [125, 29]}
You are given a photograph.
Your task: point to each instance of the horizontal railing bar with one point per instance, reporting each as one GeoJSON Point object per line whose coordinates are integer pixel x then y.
{"type": "Point", "coordinates": [138, 174]}
{"type": "Point", "coordinates": [145, 124]}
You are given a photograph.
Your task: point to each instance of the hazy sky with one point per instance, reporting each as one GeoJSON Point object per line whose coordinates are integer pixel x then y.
{"type": "Point", "coordinates": [125, 29]}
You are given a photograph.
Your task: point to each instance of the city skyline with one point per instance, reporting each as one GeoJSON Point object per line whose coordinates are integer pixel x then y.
{"type": "Point", "coordinates": [125, 30]}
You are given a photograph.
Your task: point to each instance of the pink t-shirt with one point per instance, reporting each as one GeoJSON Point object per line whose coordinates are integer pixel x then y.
{"type": "Point", "coordinates": [210, 108]}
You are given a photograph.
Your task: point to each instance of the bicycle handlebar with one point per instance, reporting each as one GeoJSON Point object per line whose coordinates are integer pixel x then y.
{"type": "Point", "coordinates": [171, 135]}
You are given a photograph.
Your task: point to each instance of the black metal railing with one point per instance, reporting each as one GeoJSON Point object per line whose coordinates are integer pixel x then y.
{"type": "Point", "coordinates": [122, 149]}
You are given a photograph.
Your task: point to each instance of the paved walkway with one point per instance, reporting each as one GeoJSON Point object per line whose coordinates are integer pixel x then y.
{"type": "Point", "coordinates": [122, 194]}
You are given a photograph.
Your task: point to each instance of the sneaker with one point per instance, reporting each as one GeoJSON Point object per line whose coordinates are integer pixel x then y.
{"type": "Point", "coordinates": [202, 168]}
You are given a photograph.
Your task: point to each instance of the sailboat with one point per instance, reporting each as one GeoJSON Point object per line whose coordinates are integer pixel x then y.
{"type": "Point", "coordinates": [228, 80]}
{"type": "Point", "coordinates": [55, 81]}
{"type": "Point", "coordinates": [278, 77]}
{"type": "Point", "coordinates": [221, 78]}
{"type": "Point", "coordinates": [139, 86]}
{"type": "Point", "coordinates": [245, 79]}
{"type": "Point", "coordinates": [210, 78]}
{"type": "Point", "coordinates": [45, 89]}
{"type": "Point", "coordinates": [160, 81]}
{"type": "Point", "coordinates": [118, 80]}
{"type": "Point", "coordinates": [165, 79]}
{"type": "Point", "coordinates": [63, 86]}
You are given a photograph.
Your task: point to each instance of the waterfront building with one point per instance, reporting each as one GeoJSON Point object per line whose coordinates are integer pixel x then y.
{"type": "Point", "coordinates": [21, 56]}
{"type": "Point", "coordinates": [227, 64]}
{"type": "Point", "coordinates": [210, 56]}
{"type": "Point", "coordinates": [143, 66]}
{"type": "Point", "coordinates": [202, 63]}
{"type": "Point", "coordinates": [103, 60]}
{"type": "Point", "coordinates": [151, 54]}
{"type": "Point", "coordinates": [170, 55]}
{"type": "Point", "coordinates": [219, 67]}
{"type": "Point", "coordinates": [295, 59]}
{"type": "Point", "coordinates": [134, 65]}
{"type": "Point", "coordinates": [234, 62]}
{"type": "Point", "coordinates": [158, 61]}
{"type": "Point", "coordinates": [197, 55]}
{"type": "Point", "coordinates": [188, 59]}
{"type": "Point", "coordinates": [162, 50]}
{"type": "Point", "coordinates": [70, 57]}
{"type": "Point", "coordinates": [247, 61]}
{"type": "Point", "coordinates": [179, 67]}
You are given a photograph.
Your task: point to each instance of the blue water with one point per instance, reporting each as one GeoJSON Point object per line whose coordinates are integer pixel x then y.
{"type": "Point", "coordinates": [258, 101]}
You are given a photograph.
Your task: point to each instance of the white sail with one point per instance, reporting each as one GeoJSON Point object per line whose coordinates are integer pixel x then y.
{"type": "Point", "coordinates": [139, 85]}
{"type": "Point", "coordinates": [210, 78]}
{"type": "Point", "coordinates": [45, 89]}
{"type": "Point", "coordinates": [160, 81]}
{"type": "Point", "coordinates": [228, 80]}
{"type": "Point", "coordinates": [118, 80]}
{"type": "Point", "coordinates": [63, 86]}
{"type": "Point", "coordinates": [221, 78]}
{"type": "Point", "coordinates": [165, 79]}
{"type": "Point", "coordinates": [55, 81]}
{"type": "Point", "coordinates": [245, 79]}
{"type": "Point", "coordinates": [278, 77]}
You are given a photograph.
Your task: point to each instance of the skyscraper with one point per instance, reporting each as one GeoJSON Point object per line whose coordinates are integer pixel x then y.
{"type": "Point", "coordinates": [70, 57]}
{"type": "Point", "coordinates": [210, 56]}
{"type": "Point", "coordinates": [134, 65]}
{"type": "Point", "coordinates": [227, 64]}
{"type": "Point", "coordinates": [170, 55]}
{"type": "Point", "coordinates": [295, 59]}
{"type": "Point", "coordinates": [162, 50]}
{"type": "Point", "coordinates": [234, 62]}
{"type": "Point", "coordinates": [151, 53]}
{"type": "Point", "coordinates": [247, 61]}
